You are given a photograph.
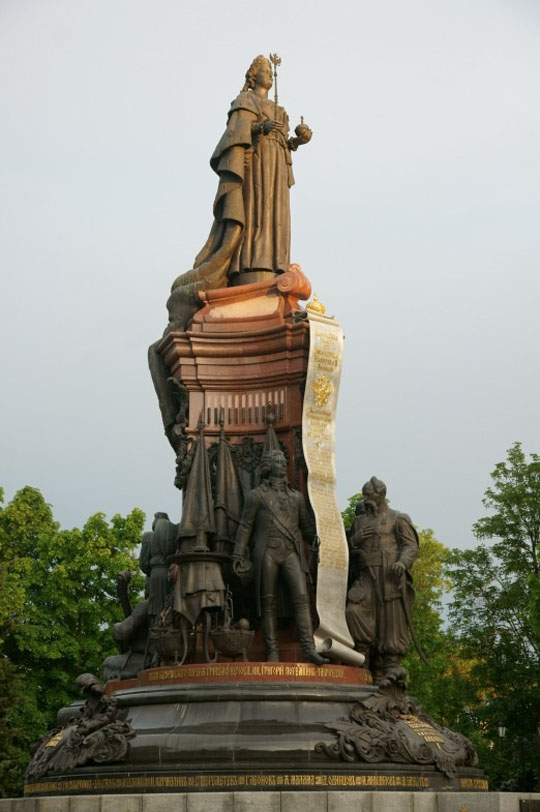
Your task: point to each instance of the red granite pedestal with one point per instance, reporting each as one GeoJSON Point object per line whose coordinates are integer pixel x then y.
{"type": "Point", "coordinates": [244, 349]}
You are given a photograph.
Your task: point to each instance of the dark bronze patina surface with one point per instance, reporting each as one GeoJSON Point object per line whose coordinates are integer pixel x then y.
{"type": "Point", "coordinates": [90, 734]}
{"type": "Point", "coordinates": [276, 518]}
{"type": "Point", "coordinates": [383, 545]}
{"type": "Point", "coordinates": [245, 734]}
{"type": "Point", "coordinates": [251, 230]}
{"type": "Point", "coordinates": [237, 577]}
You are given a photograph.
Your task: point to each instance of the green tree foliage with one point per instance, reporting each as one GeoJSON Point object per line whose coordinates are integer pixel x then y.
{"type": "Point", "coordinates": [495, 616]}
{"type": "Point", "coordinates": [533, 583]}
{"type": "Point", "coordinates": [428, 683]}
{"type": "Point", "coordinates": [348, 514]}
{"type": "Point", "coordinates": [57, 604]}
{"type": "Point", "coordinates": [12, 755]}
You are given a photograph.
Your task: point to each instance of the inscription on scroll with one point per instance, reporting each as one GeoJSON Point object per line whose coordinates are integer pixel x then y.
{"type": "Point", "coordinates": [318, 440]}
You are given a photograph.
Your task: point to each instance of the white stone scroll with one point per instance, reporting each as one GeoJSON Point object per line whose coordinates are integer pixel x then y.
{"type": "Point", "coordinates": [332, 637]}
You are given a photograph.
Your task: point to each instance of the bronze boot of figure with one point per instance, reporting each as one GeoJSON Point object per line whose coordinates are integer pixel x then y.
{"type": "Point", "coordinates": [377, 668]}
{"type": "Point", "coordinates": [269, 628]}
{"type": "Point", "coordinates": [391, 668]}
{"type": "Point", "coordinates": [304, 629]}
{"type": "Point", "coordinates": [366, 651]}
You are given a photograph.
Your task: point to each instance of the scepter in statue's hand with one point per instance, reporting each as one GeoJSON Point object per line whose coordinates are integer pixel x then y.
{"type": "Point", "coordinates": [275, 60]}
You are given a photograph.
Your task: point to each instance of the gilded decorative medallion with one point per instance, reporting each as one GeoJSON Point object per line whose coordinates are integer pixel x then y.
{"type": "Point", "coordinates": [322, 389]}
{"type": "Point", "coordinates": [56, 739]}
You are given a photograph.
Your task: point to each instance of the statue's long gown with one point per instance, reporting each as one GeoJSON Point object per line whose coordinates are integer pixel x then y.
{"type": "Point", "coordinates": [251, 229]}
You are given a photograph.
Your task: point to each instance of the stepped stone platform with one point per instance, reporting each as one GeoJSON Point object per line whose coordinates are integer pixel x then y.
{"type": "Point", "coordinates": [318, 801]}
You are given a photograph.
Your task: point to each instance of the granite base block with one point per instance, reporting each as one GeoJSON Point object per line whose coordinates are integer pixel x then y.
{"type": "Point", "coordinates": [251, 802]}
{"type": "Point", "coordinates": [299, 801]}
{"type": "Point", "coordinates": [23, 805]}
{"type": "Point", "coordinates": [85, 804]}
{"type": "Point", "coordinates": [384, 802]}
{"type": "Point", "coordinates": [484, 802]}
{"type": "Point", "coordinates": [424, 801]}
{"type": "Point", "coordinates": [314, 801]}
{"type": "Point", "coordinates": [57, 804]}
{"type": "Point", "coordinates": [120, 803]}
{"type": "Point", "coordinates": [176, 802]}
{"type": "Point", "coordinates": [212, 801]}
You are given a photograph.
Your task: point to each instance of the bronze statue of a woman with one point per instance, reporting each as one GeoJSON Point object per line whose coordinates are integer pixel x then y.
{"type": "Point", "coordinates": [251, 229]}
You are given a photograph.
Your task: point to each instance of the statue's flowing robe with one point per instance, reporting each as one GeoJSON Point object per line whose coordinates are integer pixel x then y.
{"type": "Point", "coordinates": [255, 174]}
{"type": "Point", "coordinates": [156, 548]}
{"type": "Point", "coordinates": [375, 611]}
{"type": "Point", "coordinates": [252, 228]}
{"type": "Point", "coordinates": [252, 221]}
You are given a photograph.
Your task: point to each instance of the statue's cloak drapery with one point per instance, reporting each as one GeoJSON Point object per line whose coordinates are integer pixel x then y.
{"type": "Point", "coordinates": [375, 611]}
{"type": "Point", "coordinates": [255, 173]}
{"type": "Point", "coordinates": [251, 229]}
{"type": "Point", "coordinates": [156, 548]}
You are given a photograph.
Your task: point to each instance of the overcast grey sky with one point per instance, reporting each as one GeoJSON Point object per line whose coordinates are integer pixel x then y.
{"type": "Point", "coordinates": [416, 215]}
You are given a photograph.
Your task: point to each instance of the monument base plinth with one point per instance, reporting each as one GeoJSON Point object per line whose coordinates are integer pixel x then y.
{"type": "Point", "coordinates": [243, 727]}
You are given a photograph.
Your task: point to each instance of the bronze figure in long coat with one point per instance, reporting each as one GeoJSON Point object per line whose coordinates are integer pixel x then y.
{"type": "Point", "coordinates": [156, 548]}
{"type": "Point", "coordinates": [273, 522]}
{"type": "Point", "coordinates": [383, 545]}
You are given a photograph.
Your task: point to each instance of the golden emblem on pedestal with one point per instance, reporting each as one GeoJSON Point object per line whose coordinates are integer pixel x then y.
{"type": "Point", "coordinates": [322, 389]}
{"type": "Point", "coordinates": [315, 305]}
{"type": "Point", "coordinates": [56, 739]}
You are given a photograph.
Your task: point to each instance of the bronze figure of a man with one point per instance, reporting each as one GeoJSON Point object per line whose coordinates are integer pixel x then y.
{"type": "Point", "coordinates": [156, 548]}
{"type": "Point", "coordinates": [383, 545]}
{"type": "Point", "coordinates": [274, 520]}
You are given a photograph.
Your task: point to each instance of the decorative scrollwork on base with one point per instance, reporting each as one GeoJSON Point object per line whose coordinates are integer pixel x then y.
{"type": "Point", "coordinates": [94, 734]}
{"type": "Point", "coordinates": [390, 726]}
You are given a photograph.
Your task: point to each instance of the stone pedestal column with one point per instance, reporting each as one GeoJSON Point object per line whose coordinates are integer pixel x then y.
{"type": "Point", "coordinates": [246, 348]}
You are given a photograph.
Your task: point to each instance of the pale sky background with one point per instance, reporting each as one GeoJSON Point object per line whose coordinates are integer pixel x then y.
{"type": "Point", "coordinates": [416, 215]}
